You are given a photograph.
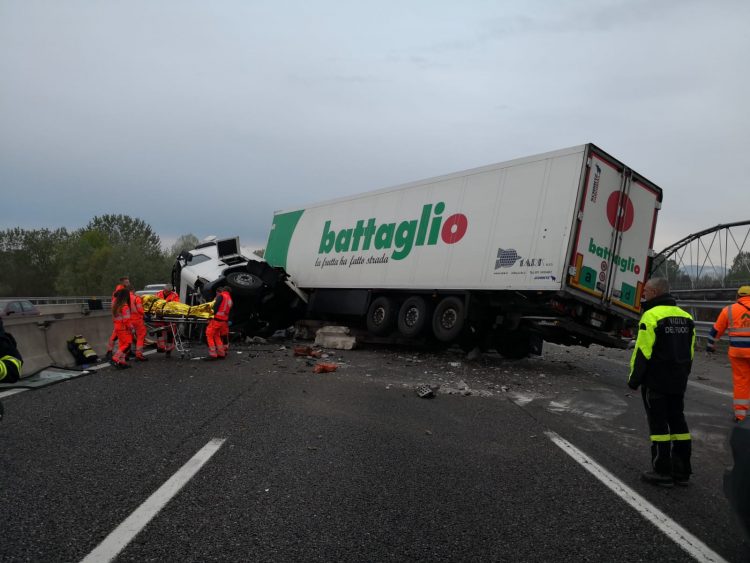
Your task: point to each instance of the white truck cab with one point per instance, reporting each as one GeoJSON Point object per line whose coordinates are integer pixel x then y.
{"type": "Point", "coordinates": [264, 299]}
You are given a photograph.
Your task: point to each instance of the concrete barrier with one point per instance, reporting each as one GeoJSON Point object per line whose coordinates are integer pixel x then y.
{"type": "Point", "coordinates": [43, 341]}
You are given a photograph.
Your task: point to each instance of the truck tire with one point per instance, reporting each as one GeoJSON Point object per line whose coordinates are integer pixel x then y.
{"type": "Point", "coordinates": [243, 283]}
{"type": "Point", "coordinates": [514, 345]}
{"type": "Point", "coordinates": [413, 316]}
{"type": "Point", "coordinates": [448, 319]}
{"type": "Point", "coordinates": [381, 316]}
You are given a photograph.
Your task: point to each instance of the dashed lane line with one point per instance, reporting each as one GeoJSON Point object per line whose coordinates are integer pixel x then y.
{"type": "Point", "coordinates": [121, 536]}
{"type": "Point", "coordinates": [684, 539]}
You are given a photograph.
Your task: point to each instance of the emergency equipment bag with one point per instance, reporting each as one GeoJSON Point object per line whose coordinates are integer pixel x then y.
{"type": "Point", "coordinates": [82, 352]}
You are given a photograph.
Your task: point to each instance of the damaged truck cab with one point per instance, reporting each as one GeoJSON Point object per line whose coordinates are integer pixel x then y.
{"type": "Point", "coordinates": [264, 298]}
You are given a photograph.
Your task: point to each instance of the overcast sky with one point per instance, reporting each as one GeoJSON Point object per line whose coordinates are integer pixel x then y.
{"type": "Point", "coordinates": [205, 117]}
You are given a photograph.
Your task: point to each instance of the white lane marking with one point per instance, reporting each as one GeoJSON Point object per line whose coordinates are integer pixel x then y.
{"type": "Point", "coordinates": [107, 364]}
{"type": "Point", "coordinates": [684, 539]}
{"type": "Point", "coordinates": [92, 368]}
{"type": "Point", "coordinates": [10, 392]}
{"type": "Point", "coordinates": [121, 536]}
{"type": "Point", "coordinates": [709, 388]}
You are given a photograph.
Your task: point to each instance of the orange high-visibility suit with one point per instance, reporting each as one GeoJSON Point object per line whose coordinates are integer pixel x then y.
{"type": "Point", "coordinates": [124, 328]}
{"type": "Point", "coordinates": [735, 320]}
{"type": "Point", "coordinates": [139, 325]}
{"type": "Point", "coordinates": [113, 336]}
{"type": "Point", "coordinates": [217, 332]}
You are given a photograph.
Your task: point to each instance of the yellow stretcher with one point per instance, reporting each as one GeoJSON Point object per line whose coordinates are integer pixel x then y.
{"type": "Point", "coordinates": [162, 315]}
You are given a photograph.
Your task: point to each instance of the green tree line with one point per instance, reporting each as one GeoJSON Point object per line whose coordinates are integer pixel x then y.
{"type": "Point", "coordinates": [87, 261]}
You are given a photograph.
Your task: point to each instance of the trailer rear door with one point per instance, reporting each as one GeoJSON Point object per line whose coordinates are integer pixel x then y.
{"type": "Point", "coordinates": [615, 232]}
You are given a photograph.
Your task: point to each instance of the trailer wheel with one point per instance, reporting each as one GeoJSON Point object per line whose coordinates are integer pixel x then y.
{"type": "Point", "coordinates": [381, 316]}
{"type": "Point", "coordinates": [243, 283]}
{"type": "Point", "coordinates": [514, 345]}
{"type": "Point", "coordinates": [413, 316]}
{"type": "Point", "coordinates": [448, 319]}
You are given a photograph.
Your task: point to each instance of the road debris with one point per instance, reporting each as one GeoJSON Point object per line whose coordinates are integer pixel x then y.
{"type": "Point", "coordinates": [308, 352]}
{"type": "Point", "coordinates": [425, 392]}
{"type": "Point", "coordinates": [325, 368]}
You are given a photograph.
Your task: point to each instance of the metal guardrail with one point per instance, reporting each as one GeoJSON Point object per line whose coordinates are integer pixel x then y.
{"type": "Point", "coordinates": [59, 300]}
{"type": "Point", "coordinates": [702, 328]}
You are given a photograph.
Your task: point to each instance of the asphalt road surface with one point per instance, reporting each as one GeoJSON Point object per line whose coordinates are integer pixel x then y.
{"type": "Point", "coordinates": [257, 458]}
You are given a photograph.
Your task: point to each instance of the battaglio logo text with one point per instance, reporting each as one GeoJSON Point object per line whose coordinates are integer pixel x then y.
{"type": "Point", "coordinates": [427, 230]}
{"type": "Point", "coordinates": [624, 264]}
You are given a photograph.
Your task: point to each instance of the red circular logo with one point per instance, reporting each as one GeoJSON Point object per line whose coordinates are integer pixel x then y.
{"type": "Point", "coordinates": [615, 210]}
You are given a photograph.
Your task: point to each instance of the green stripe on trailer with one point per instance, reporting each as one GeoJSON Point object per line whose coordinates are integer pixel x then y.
{"type": "Point", "coordinates": [280, 237]}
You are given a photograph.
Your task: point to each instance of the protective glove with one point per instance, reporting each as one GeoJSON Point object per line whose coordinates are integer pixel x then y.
{"type": "Point", "coordinates": [633, 385]}
{"type": "Point", "coordinates": [710, 349]}
{"type": "Point", "coordinates": [229, 323]}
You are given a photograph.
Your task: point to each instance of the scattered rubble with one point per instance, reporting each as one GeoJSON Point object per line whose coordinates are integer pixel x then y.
{"type": "Point", "coordinates": [308, 352]}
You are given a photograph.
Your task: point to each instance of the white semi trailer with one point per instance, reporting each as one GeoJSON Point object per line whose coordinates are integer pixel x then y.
{"type": "Point", "coordinates": [555, 246]}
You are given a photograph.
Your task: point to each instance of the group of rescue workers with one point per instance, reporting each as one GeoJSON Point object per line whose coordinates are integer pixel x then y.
{"type": "Point", "coordinates": [130, 326]}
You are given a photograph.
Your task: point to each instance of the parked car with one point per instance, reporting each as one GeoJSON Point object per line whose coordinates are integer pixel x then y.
{"type": "Point", "coordinates": [18, 308]}
{"type": "Point", "coordinates": [151, 289]}
{"type": "Point", "coordinates": [737, 480]}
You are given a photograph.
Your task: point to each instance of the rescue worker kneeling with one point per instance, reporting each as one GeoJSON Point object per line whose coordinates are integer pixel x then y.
{"type": "Point", "coordinates": [661, 363]}
{"type": "Point", "coordinates": [217, 332]}
{"type": "Point", "coordinates": [11, 361]}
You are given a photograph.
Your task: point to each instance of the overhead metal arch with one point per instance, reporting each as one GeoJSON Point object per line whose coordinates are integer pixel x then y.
{"type": "Point", "coordinates": [704, 259]}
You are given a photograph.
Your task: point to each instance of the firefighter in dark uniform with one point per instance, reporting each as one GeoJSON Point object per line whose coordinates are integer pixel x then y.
{"type": "Point", "coordinates": [10, 360]}
{"type": "Point", "coordinates": [661, 363]}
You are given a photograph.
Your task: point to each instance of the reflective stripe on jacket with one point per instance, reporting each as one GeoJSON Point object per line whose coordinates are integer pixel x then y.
{"type": "Point", "coordinates": [735, 320]}
{"type": "Point", "coordinates": [663, 354]}
{"type": "Point", "coordinates": [10, 358]}
{"type": "Point", "coordinates": [10, 369]}
{"type": "Point", "coordinates": [122, 318]}
{"type": "Point", "coordinates": [136, 306]}
{"type": "Point", "coordinates": [222, 306]}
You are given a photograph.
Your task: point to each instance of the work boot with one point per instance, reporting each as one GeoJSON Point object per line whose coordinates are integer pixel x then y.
{"type": "Point", "coordinates": [108, 357]}
{"type": "Point", "coordinates": [141, 358]}
{"type": "Point", "coordinates": [168, 353]}
{"type": "Point", "coordinates": [681, 480]}
{"type": "Point", "coordinates": [658, 479]}
{"type": "Point", "coordinates": [210, 359]}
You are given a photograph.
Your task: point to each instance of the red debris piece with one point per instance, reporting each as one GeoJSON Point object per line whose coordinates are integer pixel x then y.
{"type": "Point", "coordinates": [325, 368]}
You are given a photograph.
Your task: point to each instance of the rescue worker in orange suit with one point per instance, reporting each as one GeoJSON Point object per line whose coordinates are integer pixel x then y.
{"type": "Point", "coordinates": [734, 319]}
{"type": "Point", "coordinates": [11, 361]}
{"type": "Point", "coordinates": [139, 325]}
{"type": "Point", "coordinates": [124, 284]}
{"type": "Point", "coordinates": [124, 326]}
{"type": "Point", "coordinates": [165, 340]}
{"type": "Point", "coordinates": [661, 363]}
{"type": "Point", "coordinates": [217, 332]}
